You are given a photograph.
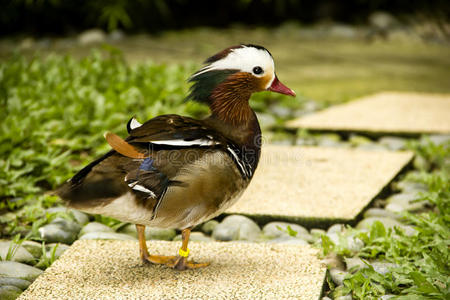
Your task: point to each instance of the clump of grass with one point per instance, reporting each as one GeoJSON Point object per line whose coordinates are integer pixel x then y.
{"type": "Point", "coordinates": [54, 112]}
{"type": "Point", "coordinates": [422, 260]}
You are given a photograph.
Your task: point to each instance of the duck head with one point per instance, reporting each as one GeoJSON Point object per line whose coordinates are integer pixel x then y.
{"type": "Point", "coordinates": [229, 77]}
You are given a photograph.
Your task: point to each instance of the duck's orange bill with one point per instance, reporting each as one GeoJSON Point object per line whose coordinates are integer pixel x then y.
{"type": "Point", "coordinates": [121, 146]}
{"type": "Point", "coordinates": [278, 87]}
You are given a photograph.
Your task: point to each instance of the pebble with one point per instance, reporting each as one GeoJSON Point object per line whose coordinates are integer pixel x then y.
{"type": "Point", "coordinates": [236, 227]}
{"type": "Point", "coordinates": [195, 236]}
{"type": "Point", "coordinates": [337, 275]}
{"type": "Point", "coordinates": [386, 297]}
{"type": "Point", "coordinates": [407, 186]}
{"type": "Point", "coordinates": [151, 233]}
{"type": "Point", "coordinates": [91, 36]}
{"type": "Point", "coordinates": [60, 249]}
{"type": "Point", "coordinates": [420, 163]}
{"type": "Point", "coordinates": [379, 212]}
{"type": "Point", "coordinates": [21, 254]}
{"type": "Point", "coordinates": [18, 270]}
{"type": "Point", "coordinates": [387, 222]}
{"type": "Point", "coordinates": [359, 140]}
{"type": "Point", "coordinates": [351, 243]}
{"type": "Point", "coordinates": [405, 202]}
{"type": "Point", "coordinates": [346, 297]}
{"type": "Point", "coordinates": [332, 260]}
{"type": "Point", "coordinates": [33, 247]}
{"type": "Point", "coordinates": [266, 120]}
{"type": "Point", "coordinates": [60, 231]}
{"type": "Point", "coordinates": [382, 267]}
{"type": "Point", "coordinates": [107, 236]}
{"type": "Point", "coordinates": [281, 111]}
{"type": "Point", "coordinates": [95, 227]}
{"type": "Point", "coordinates": [393, 143]}
{"type": "Point", "coordinates": [17, 282]}
{"type": "Point", "coordinates": [437, 139]}
{"type": "Point", "coordinates": [336, 228]}
{"type": "Point", "coordinates": [277, 229]}
{"type": "Point", "coordinates": [80, 217]}
{"type": "Point", "coordinates": [354, 263]}
{"type": "Point", "coordinates": [9, 292]}
{"type": "Point", "coordinates": [289, 240]}
{"type": "Point", "coordinates": [209, 226]}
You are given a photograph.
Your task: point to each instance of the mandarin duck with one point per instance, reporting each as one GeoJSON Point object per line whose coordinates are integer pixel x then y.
{"type": "Point", "coordinates": [177, 172]}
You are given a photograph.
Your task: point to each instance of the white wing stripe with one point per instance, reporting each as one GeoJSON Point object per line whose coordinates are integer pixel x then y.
{"type": "Point", "coordinates": [243, 169]}
{"type": "Point", "coordinates": [198, 142]}
{"type": "Point", "coordinates": [141, 188]}
{"type": "Point", "coordinates": [134, 124]}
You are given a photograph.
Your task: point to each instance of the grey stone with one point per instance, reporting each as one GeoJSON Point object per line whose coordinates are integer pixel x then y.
{"type": "Point", "coordinates": [236, 227]}
{"type": "Point", "coordinates": [325, 298]}
{"type": "Point", "coordinates": [346, 297]}
{"type": "Point", "coordinates": [393, 143]}
{"type": "Point", "coordinates": [317, 232]}
{"type": "Point", "coordinates": [80, 217]}
{"type": "Point", "coordinates": [151, 233]}
{"type": "Point", "coordinates": [34, 248]}
{"type": "Point", "coordinates": [337, 228]}
{"type": "Point", "coordinates": [350, 242]}
{"type": "Point", "coordinates": [195, 236]}
{"type": "Point", "coordinates": [358, 140]}
{"type": "Point", "coordinates": [276, 229]}
{"type": "Point", "coordinates": [96, 227]}
{"type": "Point", "coordinates": [209, 226]}
{"type": "Point", "coordinates": [91, 36]}
{"type": "Point", "coordinates": [17, 282]}
{"type": "Point", "coordinates": [420, 163]}
{"type": "Point", "coordinates": [289, 240]}
{"type": "Point", "coordinates": [60, 231]}
{"type": "Point", "coordinates": [409, 187]}
{"type": "Point", "coordinates": [116, 35]}
{"type": "Point", "coordinates": [379, 212]}
{"type": "Point", "coordinates": [343, 31]}
{"type": "Point", "coordinates": [106, 236]}
{"type": "Point", "coordinates": [60, 249]}
{"type": "Point", "coordinates": [406, 202]}
{"type": "Point", "coordinates": [372, 147]}
{"type": "Point", "coordinates": [386, 297]}
{"type": "Point", "coordinates": [408, 230]}
{"type": "Point", "coordinates": [281, 111]}
{"type": "Point", "coordinates": [18, 270]}
{"type": "Point", "coordinates": [9, 292]}
{"type": "Point", "coordinates": [439, 139]}
{"type": "Point", "coordinates": [382, 267]}
{"type": "Point", "coordinates": [20, 253]}
{"type": "Point", "coordinates": [266, 120]}
{"type": "Point", "coordinates": [332, 260]}
{"type": "Point", "coordinates": [387, 222]}
{"type": "Point", "coordinates": [165, 234]}
{"type": "Point", "coordinates": [382, 20]}
{"type": "Point", "coordinates": [337, 276]}
{"type": "Point", "coordinates": [354, 263]}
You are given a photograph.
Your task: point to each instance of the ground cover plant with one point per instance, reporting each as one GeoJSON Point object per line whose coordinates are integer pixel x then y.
{"type": "Point", "coordinates": [55, 111]}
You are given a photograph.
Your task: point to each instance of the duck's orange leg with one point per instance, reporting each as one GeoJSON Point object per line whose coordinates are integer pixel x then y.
{"type": "Point", "coordinates": [145, 256]}
{"type": "Point", "coordinates": [181, 263]}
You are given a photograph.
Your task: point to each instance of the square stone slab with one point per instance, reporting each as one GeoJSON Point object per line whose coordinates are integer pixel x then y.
{"type": "Point", "coordinates": [101, 269]}
{"type": "Point", "coordinates": [389, 112]}
{"type": "Point", "coordinates": [314, 184]}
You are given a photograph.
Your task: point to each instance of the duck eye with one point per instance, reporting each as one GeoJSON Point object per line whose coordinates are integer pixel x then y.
{"type": "Point", "coordinates": [257, 70]}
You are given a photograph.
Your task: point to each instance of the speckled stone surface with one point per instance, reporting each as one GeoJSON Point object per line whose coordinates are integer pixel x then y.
{"type": "Point", "coordinates": [296, 182]}
{"type": "Point", "coordinates": [95, 269]}
{"type": "Point", "coordinates": [388, 112]}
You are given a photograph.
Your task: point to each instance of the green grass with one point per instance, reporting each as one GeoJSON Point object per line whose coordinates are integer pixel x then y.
{"type": "Point", "coordinates": [56, 109]}
{"type": "Point", "coordinates": [321, 68]}
{"type": "Point", "coordinates": [423, 270]}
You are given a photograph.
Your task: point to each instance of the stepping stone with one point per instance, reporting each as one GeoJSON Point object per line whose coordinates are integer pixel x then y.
{"type": "Point", "coordinates": [94, 269]}
{"type": "Point", "coordinates": [317, 186]}
{"type": "Point", "coordinates": [388, 112]}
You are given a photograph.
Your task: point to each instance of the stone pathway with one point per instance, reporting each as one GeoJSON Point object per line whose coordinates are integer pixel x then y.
{"type": "Point", "coordinates": [113, 270]}
{"type": "Point", "coordinates": [312, 184]}
{"type": "Point", "coordinates": [396, 113]}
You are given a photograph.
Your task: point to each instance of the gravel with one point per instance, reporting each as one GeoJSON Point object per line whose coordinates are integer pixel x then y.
{"type": "Point", "coordinates": [113, 270]}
